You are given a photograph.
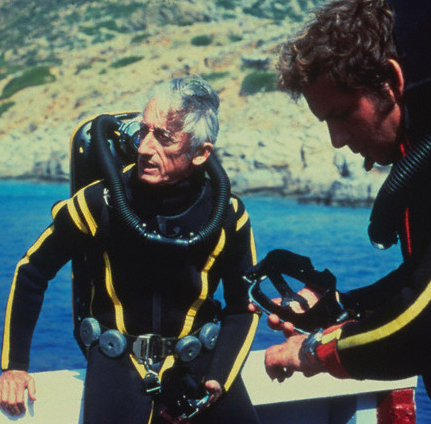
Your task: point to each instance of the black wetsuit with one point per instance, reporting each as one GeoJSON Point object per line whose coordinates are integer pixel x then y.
{"type": "Point", "coordinates": [139, 290]}
{"type": "Point", "coordinates": [394, 338]}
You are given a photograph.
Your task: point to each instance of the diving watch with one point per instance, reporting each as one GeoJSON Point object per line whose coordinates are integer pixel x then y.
{"type": "Point", "coordinates": [310, 344]}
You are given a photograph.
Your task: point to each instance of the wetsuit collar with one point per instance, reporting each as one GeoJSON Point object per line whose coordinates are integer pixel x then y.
{"type": "Point", "coordinates": [165, 200]}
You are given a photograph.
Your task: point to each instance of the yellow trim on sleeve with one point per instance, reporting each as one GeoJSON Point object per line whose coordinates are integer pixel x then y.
{"type": "Point", "coordinates": [242, 221]}
{"type": "Point", "coordinates": [234, 204]}
{"type": "Point", "coordinates": [75, 216]}
{"type": "Point", "coordinates": [253, 248]}
{"type": "Point", "coordinates": [57, 207]}
{"type": "Point", "coordinates": [333, 335]}
{"type": "Point", "coordinates": [191, 314]}
{"type": "Point", "coordinates": [391, 327]}
{"type": "Point", "coordinates": [86, 212]}
{"type": "Point", "coordinates": [242, 353]}
{"type": "Point", "coordinates": [118, 307]}
{"type": "Point", "coordinates": [8, 315]}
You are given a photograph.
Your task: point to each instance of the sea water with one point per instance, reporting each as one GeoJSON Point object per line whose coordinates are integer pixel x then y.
{"type": "Point", "coordinates": [333, 237]}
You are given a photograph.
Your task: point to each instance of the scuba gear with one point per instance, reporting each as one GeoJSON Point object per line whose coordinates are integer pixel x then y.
{"type": "Point", "coordinates": [394, 194]}
{"type": "Point", "coordinates": [182, 395]}
{"type": "Point", "coordinates": [410, 33]}
{"type": "Point", "coordinates": [325, 312]}
{"type": "Point", "coordinates": [90, 331]}
{"type": "Point", "coordinates": [208, 335]}
{"type": "Point", "coordinates": [148, 348]}
{"type": "Point", "coordinates": [112, 343]}
{"type": "Point", "coordinates": [101, 148]}
{"type": "Point", "coordinates": [151, 348]}
{"type": "Point", "coordinates": [188, 348]}
{"type": "Point", "coordinates": [99, 130]}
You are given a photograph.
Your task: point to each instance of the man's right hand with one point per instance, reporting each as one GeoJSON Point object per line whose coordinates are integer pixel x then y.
{"type": "Point", "coordinates": [288, 328]}
{"type": "Point", "coordinates": [12, 387]}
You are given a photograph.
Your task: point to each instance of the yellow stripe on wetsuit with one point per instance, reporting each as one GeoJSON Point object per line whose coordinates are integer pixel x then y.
{"type": "Point", "coordinates": [242, 353]}
{"type": "Point", "coordinates": [90, 226]}
{"type": "Point", "coordinates": [118, 307]}
{"type": "Point", "coordinates": [242, 221]}
{"type": "Point", "coordinates": [391, 327]}
{"type": "Point", "coordinates": [191, 314]}
{"type": "Point", "coordinates": [252, 330]}
{"type": "Point", "coordinates": [8, 316]}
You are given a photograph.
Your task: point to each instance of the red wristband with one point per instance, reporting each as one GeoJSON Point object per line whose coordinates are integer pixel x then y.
{"type": "Point", "coordinates": [327, 353]}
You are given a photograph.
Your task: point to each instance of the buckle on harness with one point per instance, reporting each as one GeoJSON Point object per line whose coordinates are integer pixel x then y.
{"type": "Point", "coordinates": [151, 348]}
{"type": "Point", "coordinates": [152, 383]}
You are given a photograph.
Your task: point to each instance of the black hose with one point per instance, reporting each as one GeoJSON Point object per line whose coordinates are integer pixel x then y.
{"type": "Point", "coordinates": [105, 124]}
{"type": "Point", "coordinates": [394, 194]}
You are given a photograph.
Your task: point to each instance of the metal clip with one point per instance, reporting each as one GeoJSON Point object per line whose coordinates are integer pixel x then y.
{"type": "Point", "coordinates": [152, 383]}
{"type": "Point", "coordinates": [146, 348]}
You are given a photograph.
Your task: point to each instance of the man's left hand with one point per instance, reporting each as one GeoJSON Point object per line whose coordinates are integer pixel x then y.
{"type": "Point", "coordinates": [282, 360]}
{"type": "Point", "coordinates": [215, 391]}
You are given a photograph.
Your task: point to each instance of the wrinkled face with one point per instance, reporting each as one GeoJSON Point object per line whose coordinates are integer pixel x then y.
{"type": "Point", "coordinates": [358, 121]}
{"type": "Point", "coordinates": [163, 154]}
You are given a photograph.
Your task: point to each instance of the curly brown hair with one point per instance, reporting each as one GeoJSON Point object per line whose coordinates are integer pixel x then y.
{"type": "Point", "coordinates": [347, 41]}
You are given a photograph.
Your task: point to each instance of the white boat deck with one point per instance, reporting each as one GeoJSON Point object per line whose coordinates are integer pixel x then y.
{"type": "Point", "coordinates": [320, 399]}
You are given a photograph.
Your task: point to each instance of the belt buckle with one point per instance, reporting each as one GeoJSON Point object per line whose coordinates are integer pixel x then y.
{"type": "Point", "coordinates": [145, 348]}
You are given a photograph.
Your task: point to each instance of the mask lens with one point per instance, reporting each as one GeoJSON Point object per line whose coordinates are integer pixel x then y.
{"type": "Point", "coordinates": [133, 134]}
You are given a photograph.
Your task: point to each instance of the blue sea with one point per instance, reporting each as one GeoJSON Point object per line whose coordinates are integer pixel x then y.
{"type": "Point", "coordinates": [335, 238]}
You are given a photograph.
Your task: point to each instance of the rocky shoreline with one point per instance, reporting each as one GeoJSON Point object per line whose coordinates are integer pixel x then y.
{"type": "Point", "coordinates": [267, 143]}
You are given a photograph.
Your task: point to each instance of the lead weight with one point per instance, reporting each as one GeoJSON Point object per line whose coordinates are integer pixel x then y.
{"type": "Point", "coordinates": [112, 343]}
{"type": "Point", "coordinates": [89, 331]}
{"type": "Point", "coordinates": [188, 348]}
{"type": "Point", "coordinates": [208, 335]}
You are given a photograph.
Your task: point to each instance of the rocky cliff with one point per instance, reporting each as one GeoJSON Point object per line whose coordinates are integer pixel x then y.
{"type": "Point", "coordinates": [62, 62]}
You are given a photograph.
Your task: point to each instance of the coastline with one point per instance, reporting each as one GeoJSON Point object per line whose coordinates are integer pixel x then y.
{"type": "Point", "coordinates": [268, 144]}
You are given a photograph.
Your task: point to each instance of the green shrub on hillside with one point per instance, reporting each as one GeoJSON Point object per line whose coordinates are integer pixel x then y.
{"type": "Point", "coordinates": [34, 76]}
{"type": "Point", "coordinates": [212, 76]}
{"type": "Point", "coordinates": [202, 40]}
{"type": "Point", "coordinates": [82, 67]}
{"type": "Point", "coordinates": [113, 9]}
{"type": "Point", "coordinates": [261, 9]}
{"type": "Point", "coordinates": [258, 82]}
{"type": "Point", "coordinates": [5, 106]}
{"type": "Point", "coordinates": [235, 38]}
{"type": "Point", "coordinates": [137, 39]}
{"type": "Point", "coordinates": [7, 69]}
{"type": "Point", "coordinates": [126, 61]}
{"type": "Point", "coordinates": [227, 4]}
{"type": "Point", "coordinates": [111, 25]}
{"type": "Point", "coordinates": [101, 38]}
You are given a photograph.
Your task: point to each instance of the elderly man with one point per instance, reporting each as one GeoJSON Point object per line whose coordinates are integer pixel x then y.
{"type": "Point", "coordinates": [364, 68]}
{"type": "Point", "coordinates": [151, 297]}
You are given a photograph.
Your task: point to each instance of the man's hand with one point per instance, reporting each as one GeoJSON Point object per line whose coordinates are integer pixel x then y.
{"type": "Point", "coordinates": [12, 387]}
{"type": "Point", "coordinates": [214, 389]}
{"type": "Point", "coordinates": [288, 328]}
{"type": "Point", "coordinates": [282, 360]}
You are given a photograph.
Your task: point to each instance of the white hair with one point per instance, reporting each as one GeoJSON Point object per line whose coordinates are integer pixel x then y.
{"type": "Point", "coordinates": [197, 102]}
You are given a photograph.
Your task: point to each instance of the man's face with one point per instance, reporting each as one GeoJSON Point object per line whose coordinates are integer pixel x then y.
{"type": "Point", "coordinates": [356, 120]}
{"type": "Point", "coordinates": [163, 154]}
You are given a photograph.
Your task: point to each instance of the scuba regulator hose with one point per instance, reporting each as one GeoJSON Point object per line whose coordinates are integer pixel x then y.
{"type": "Point", "coordinates": [394, 193]}
{"type": "Point", "coordinates": [107, 124]}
